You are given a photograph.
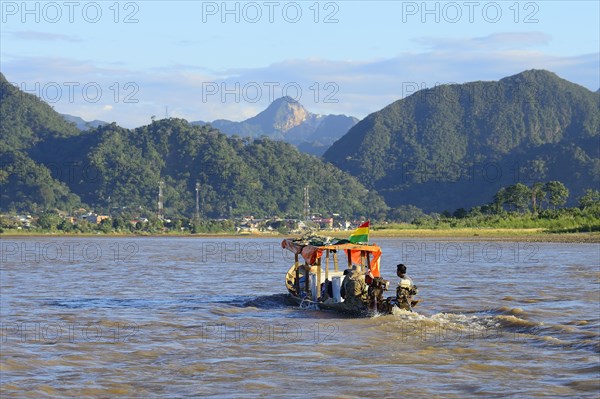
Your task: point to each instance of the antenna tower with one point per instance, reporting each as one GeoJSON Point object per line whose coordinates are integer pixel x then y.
{"type": "Point", "coordinates": [306, 204]}
{"type": "Point", "coordinates": [161, 212]}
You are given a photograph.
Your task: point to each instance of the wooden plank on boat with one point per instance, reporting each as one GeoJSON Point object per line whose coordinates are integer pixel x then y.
{"type": "Point", "coordinates": [327, 264]}
{"type": "Point", "coordinates": [335, 262]}
{"type": "Point", "coordinates": [306, 277]}
{"type": "Point", "coordinates": [318, 275]}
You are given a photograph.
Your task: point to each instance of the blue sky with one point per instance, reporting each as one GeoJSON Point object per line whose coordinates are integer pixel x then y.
{"type": "Point", "coordinates": [127, 61]}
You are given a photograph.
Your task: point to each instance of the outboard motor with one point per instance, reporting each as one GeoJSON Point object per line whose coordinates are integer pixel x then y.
{"type": "Point", "coordinates": [375, 293]}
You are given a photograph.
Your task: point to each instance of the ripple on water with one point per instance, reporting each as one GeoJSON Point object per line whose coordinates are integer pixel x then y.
{"type": "Point", "coordinates": [481, 335]}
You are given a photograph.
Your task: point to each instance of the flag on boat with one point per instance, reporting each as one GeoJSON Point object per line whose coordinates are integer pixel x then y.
{"type": "Point", "coordinates": [361, 234]}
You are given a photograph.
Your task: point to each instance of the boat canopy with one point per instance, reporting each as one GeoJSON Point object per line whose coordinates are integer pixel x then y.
{"type": "Point", "coordinates": [364, 255]}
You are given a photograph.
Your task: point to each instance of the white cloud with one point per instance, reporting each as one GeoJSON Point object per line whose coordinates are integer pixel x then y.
{"type": "Point", "coordinates": [360, 87]}
{"type": "Point", "coordinates": [496, 41]}
{"type": "Point", "coordinates": [43, 36]}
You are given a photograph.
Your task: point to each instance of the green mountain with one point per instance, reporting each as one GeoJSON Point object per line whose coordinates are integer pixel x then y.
{"type": "Point", "coordinates": [26, 122]}
{"type": "Point", "coordinates": [455, 145]}
{"type": "Point", "coordinates": [49, 163]}
{"type": "Point", "coordinates": [236, 176]}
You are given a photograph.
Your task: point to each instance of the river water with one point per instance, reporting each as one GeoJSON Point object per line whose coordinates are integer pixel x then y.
{"type": "Point", "coordinates": [191, 317]}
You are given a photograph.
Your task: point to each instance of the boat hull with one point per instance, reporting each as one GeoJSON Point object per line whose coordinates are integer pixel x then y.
{"type": "Point", "coordinates": [339, 307]}
{"type": "Point", "coordinates": [351, 309]}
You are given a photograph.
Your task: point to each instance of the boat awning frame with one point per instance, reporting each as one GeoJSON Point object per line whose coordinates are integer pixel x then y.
{"type": "Point", "coordinates": [311, 253]}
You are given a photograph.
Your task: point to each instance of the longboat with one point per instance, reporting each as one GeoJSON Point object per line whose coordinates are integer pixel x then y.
{"type": "Point", "coordinates": [316, 279]}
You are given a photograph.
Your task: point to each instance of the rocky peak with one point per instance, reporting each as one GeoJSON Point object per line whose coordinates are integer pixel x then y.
{"type": "Point", "coordinates": [283, 114]}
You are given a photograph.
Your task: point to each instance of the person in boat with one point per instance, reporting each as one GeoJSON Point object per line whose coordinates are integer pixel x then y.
{"type": "Point", "coordinates": [326, 290]}
{"type": "Point", "coordinates": [344, 282]}
{"type": "Point", "coordinates": [406, 289]}
{"type": "Point", "coordinates": [401, 272]}
{"type": "Point", "coordinates": [355, 288]}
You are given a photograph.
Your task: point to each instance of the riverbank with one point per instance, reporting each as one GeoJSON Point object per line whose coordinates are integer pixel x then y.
{"type": "Point", "coordinates": [452, 234]}
{"type": "Point", "coordinates": [474, 234]}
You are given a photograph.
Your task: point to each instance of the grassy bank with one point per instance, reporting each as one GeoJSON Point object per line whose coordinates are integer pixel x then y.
{"type": "Point", "coordinates": [475, 234]}
{"type": "Point", "coordinates": [409, 232]}
{"type": "Point", "coordinates": [536, 234]}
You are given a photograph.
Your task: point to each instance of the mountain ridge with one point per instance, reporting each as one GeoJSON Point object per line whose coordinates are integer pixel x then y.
{"type": "Point", "coordinates": [287, 120]}
{"type": "Point", "coordinates": [418, 150]}
{"type": "Point", "coordinates": [83, 124]}
{"type": "Point", "coordinates": [444, 148]}
{"type": "Point", "coordinates": [50, 164]}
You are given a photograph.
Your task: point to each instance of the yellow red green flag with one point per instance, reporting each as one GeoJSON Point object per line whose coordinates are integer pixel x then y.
{"type": "Point", "coordinates": [361, 234]}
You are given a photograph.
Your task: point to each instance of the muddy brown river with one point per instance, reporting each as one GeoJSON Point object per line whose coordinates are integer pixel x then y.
{"type": "Point", "coordinates": [194, 317]}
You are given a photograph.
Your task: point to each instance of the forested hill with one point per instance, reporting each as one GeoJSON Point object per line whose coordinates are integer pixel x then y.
{"type": "Point", "coordinates": [48, 163]}
{"type": "Point", "coordinates": [455, 145]}
{"type": "Point", "coordinates": [27, 120]}
{"type": "Point", "coordinates": [236, 176]}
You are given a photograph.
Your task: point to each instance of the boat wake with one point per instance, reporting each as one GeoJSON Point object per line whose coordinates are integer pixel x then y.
{"type": "Point", "coordinates": [275, 301]}
{"type": "Point", "coordinates": [504, 323]}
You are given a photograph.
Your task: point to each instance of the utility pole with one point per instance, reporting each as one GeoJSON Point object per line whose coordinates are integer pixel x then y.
{"type": "Point", "coordinates": [306, 204]}
{"type": "Point", "coordinates": [160, 212]}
